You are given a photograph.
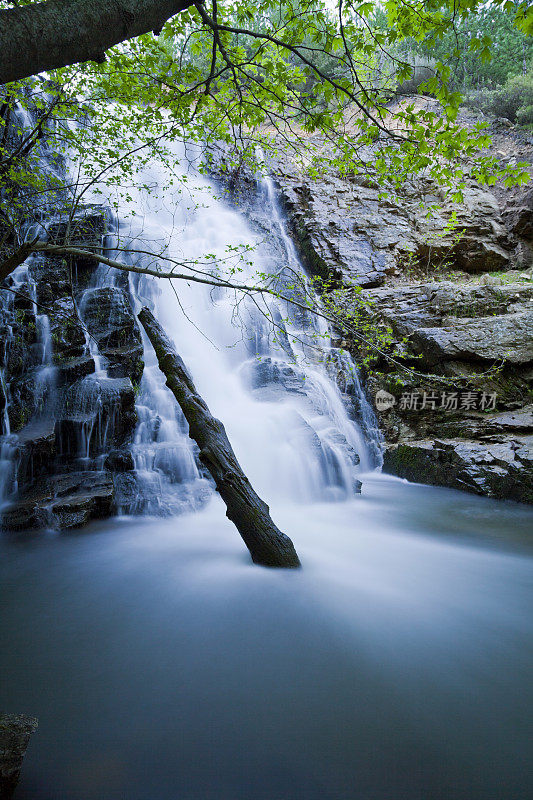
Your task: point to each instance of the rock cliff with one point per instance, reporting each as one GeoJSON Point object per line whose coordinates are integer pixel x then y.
{"type": "Point", "coordinates": [67, 426]}
{"type": "Point", "coordinates": [458, 303]}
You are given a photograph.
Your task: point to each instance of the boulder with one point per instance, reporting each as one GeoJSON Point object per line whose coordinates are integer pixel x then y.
{"type": "Point", "coordinates": [119, 461]}
{"type": "Point", "coordinates": [61, 501]}
{"type": "Point", "coordinates": [518, 215]}
{"type": "Point", "coordinates": [15, 732]}
{"type": "Point", "coordinates": [504, 337]}
{"type": "Point", "coordinates": [265, 376]}
{"type": "Point", "coordinates": [500, 469]}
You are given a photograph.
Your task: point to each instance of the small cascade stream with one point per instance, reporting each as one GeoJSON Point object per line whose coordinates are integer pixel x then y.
{"type": "Point", "coordinates": [61, 410]}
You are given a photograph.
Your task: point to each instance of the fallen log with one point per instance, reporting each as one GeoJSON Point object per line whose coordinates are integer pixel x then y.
{"type": "Point", "coordinates": [267, 544]}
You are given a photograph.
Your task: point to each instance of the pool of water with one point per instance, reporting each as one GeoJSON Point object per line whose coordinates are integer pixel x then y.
{"type": "Point", "coordinates": [163, 665]}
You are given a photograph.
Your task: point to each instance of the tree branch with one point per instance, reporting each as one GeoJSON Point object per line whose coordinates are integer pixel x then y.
{"type": "Point", "coordinates": [56, 33]}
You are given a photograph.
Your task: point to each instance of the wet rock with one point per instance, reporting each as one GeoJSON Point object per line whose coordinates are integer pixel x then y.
{"type": "Point", "coordinates": [37, 449]}
{"type": "Point", "coordinates": [506, 337]}
{"type": "Point", "coordinates": [61, 415]}
{"type": "Point", "coordinates": [66, 330]}
{"type": "Point", "coordinates": [265, 375]}
{"type": "Point", "coordinates": [85, 230]}
{"type": "Point", "coordinates": [80, 497]}
{"type": "Point", "coordinates": [62, 502]}
{"type": "Point", "coordinates": [70, 370]}
{"type": "Point", "coordinates": [110, 320]}
{"type": "Point", "coordinates": [22, 351]}
{"type": "Point", "coordinates": [24, 515]}
{"type": "Point", "coordinates": [125, 362]}
{"type": "Point", "coordinates": [15, 733]}
{"type": "Point", "coordinates": [52, 277]}
{"type": "Point", "coordinates": [95, 414]}
{"type": "Point", "coordinates": [119, 461]}
{"type": "Point", "coordinates": [29, 394]}
{"type": "Point", "coordinates": [500, 469]}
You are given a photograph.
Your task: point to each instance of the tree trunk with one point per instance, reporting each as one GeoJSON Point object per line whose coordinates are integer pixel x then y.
{"type": "Point", "coordinates": [53, 34]}
{"type": "Point", "coordinates": [267, 545]}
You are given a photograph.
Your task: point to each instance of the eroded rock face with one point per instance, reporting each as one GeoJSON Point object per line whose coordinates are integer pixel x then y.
{"type": "Point", "coordinates": [488, 453]}
{"type": "Point", "coordinates": [518, 215]}
{"type": "Point", "coordinates": [345, 230]}
{"type": "Point", "coordinates": [65, 420]}
{"type": "Point", "coordinates": [458, 329]}
{"type": "Point", "coordinates": [506, 336]}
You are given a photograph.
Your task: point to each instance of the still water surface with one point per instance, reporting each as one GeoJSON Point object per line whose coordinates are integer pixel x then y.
{"type": "Point", "coordinates": [163, 666]}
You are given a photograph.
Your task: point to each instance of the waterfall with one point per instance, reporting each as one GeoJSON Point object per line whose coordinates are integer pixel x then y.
{"type": "Point", "coordinates": [292, 404]}
{"type": "Point", "coordinates": [273, 387]}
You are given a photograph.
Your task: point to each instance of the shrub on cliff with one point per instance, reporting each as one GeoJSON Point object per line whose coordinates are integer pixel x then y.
{"type": "Point", "coordinates": [513, 101]}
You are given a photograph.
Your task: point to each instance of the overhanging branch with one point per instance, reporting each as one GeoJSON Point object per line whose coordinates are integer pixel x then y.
{"type": "Point", "coordinates": [57, 33]}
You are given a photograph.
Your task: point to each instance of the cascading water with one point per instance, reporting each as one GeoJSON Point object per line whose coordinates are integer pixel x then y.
{"type": "Point", "coordinates": [262, 367]}
{"type": "Point", "coordinates": [61, 408]}
{"type": "Point", "coordinates": [394, 665]}
{"type": "Point", "coordinates": [265, 366]}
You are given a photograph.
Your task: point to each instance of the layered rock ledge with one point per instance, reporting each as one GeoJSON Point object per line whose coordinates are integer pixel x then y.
{"type": "Point", "coordinates": [458, 302]}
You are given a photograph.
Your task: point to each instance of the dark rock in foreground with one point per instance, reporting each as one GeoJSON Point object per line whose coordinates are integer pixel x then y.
{"type": "Point", "coordinates": [62, 501]}
{"type": "Point", "coordinates": [15, 732]}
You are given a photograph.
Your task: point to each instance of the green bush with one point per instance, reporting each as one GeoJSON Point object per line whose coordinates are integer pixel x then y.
{"type": "Point", "coordinates": [513, 101]}
{"type": "Point", "coordinates": [481, 100]}
{"type": "Point", "coordinates": [516, 94]}
{"type": "Point", "coordinates": [524, 115]}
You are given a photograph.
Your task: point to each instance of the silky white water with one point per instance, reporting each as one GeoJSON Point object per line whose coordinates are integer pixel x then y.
{"type": "Point", "coordinates": [395, 665]}
{"type": "Point", "coordinates": [162, 664]}
{"type": "Point", "coordinates": [261, 366]}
